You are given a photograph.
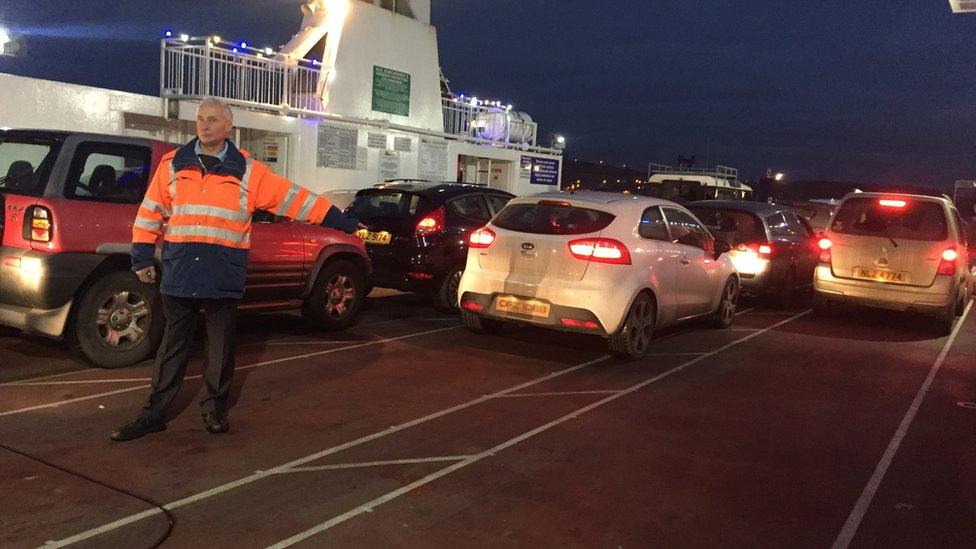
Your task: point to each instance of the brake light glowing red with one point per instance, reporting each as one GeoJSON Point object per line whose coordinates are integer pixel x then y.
{"type": "Point", "coordinates": [40, 224]}
{"type": "Point", "coordinates": [472, 306]}
{"type": "Point", "coordinates": [557, 203]}
{"type": "Point", "coordinates": [600, 250]}
{"type": "Point", "coordinates": [824, 244]}
{"type": "Point", "coordinates": [888, 203]}
{"type": "Point", "coordinates": [482, 238]}
{"type": "Point", "coordinates": [948, 264]}
{"type": "Point", "coordinates": [761, 248]}
{"type": "Point", "coordinates": [575, 323]}
{"type": "Point", "coordinates": [431, 223]}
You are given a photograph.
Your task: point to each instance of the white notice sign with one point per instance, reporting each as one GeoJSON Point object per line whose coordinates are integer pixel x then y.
{"type": "Point", "coordinates": [402, 144]}
{"type": "Point", "coordinates": [389, 165]}
{"type": "Point", "coordinates": [432, 164]}
{"type": "Point", "coordinates": [362, 158]}
{"type": "Point", "coordinates": [376, 140]}
{"type": "Point", "coordinates": [336, 147]}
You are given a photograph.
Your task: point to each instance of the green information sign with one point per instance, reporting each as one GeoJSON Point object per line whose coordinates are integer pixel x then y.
{"type": "Point", "coordinates": [391, 91]}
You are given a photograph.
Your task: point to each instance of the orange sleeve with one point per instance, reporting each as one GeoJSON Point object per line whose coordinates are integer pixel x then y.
{"type": "Point", "coordinates": [156, 206]}
{"type": "Point", "coordinates": [282, 197]}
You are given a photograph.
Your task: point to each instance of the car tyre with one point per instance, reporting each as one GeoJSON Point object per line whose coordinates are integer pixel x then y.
{"type": "Point", "coordinates": [479, 324]}
{"type": "Point", "coordinates": [446, 298]}
{"type": "Point", "coordinates": [118, 321]}
{"type": "Point", "coordinates": [337, 296]}
{"type": "Point", "coordinates": [633, 339]}
{"type": "Point", "coordinates": [725, 312]}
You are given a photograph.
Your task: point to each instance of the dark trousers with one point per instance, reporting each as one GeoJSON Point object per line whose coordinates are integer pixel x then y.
{"type": "Point", "coordinates": [218, 365]}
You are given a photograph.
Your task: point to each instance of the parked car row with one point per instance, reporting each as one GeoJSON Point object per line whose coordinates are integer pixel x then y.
{"type": "Point", "coordinates": [608, 264]}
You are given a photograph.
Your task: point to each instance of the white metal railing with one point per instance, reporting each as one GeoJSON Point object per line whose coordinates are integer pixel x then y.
{"type": "Point", "coordinates": [723, 172]}
{"type": "Point", "coordinates": [198, 67]}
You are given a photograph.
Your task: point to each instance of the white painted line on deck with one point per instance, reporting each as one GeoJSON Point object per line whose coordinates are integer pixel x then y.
{"type": "Point", "coordinates": [744, 311]}
{"type": "Point", "coordinates": [674, 354]}
{"type": "Point", "coordinates": [861, 507]}
{"type": "Point", "coordinates": [75, 382]}
{"type": "Point", "coordinates": [312, 457]}
{"type": "Point", "coordinates": [248, 367]}
{"type": "Point", "coordinates": [368, 464]}
{"type": "Point", "coordinates": [558, 393]}
{"type": "Point", "coordinates": [369, 506]}
{"type": "Point", "coordinates": [53, 376]}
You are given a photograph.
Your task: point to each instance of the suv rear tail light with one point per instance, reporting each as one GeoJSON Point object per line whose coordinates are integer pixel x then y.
{"type": "Point", "coordinates": [600, 250]}
{"type": "Point", "coordinates": [948, 264]}
{"type": "Point", "coordinates": [764, 249]}
{"type": "Point", "coordinates": [482, 238]}
{"type": "Point", "coordinates": [824, 244]}
{"type": "Point", "coordinates": [431, 223]}
{"type": "Point", "coordinates": [38, 226]}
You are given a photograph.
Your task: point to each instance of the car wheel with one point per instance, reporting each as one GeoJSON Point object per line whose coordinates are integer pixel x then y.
{"type": "Point", "coordinates": [337, 296]}
{"type": "Point", "coordinates": [118, 321]}
{"type": "Point", "coordinates": [633, 339]}
{"type": "Point", "coordinates": [963, 299]}
{"type": "Point", "coordinates": [725, 313]}
{"type": "Point", "coordinates": [946, 319]}
{"type": "Point", "coordinates": [821, 306]}
{"type": "Point", "coordinates": [787, 290]}
{"type": "Point", "coordinates": [446, 298]}
{"type": "Point", "coordinates": [479, 324]}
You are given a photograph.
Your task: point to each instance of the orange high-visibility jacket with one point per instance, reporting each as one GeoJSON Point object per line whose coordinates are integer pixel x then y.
{"type": "Point", "coordinates": [209, 219]}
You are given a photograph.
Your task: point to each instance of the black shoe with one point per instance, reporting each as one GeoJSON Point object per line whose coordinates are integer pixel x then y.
{"type": "Point", "coordinates": [216, 423]}
{"type": "Point", "coordinates": [136, 429]}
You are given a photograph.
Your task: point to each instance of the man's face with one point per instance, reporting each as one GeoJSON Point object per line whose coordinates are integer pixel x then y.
{"type": "Point", "coordinates": [213, 126]}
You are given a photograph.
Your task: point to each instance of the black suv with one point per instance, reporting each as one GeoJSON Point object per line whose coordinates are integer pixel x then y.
{"type": "Point", "coordinates": [417, 233]}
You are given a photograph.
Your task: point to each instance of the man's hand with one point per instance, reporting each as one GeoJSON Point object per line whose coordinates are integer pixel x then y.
{"type": "Point", "coordinates": [361, 227]}
{"type": "Point", "coordinates": [147, 275]}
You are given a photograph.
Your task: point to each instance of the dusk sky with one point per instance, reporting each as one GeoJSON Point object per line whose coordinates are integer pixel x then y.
{"type": "Point", "coordinates": [856, 90]}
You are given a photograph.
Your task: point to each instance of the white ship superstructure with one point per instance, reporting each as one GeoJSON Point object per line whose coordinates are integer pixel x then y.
{"type": "Point", "coordinates": [354, 98]}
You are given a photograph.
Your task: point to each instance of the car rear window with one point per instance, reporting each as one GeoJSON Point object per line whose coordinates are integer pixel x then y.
{"type": "Point", "coordinates": [24, 164]}
{"type": "Point", "coordinates": [551, 219]}
{"type": "Point", "coordinates": [734, 226]}
{"type": "Point", "coordinates": [903, 219]}
{"type": "Point", "coordinates": [387, 204]}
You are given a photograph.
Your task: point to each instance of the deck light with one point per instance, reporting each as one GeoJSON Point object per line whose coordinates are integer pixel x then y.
{"type": "Point", "coordinates": [185, 37]}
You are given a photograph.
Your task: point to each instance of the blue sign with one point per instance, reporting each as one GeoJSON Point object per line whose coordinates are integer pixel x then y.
{"type": "Point", "coordinates": [542, 171]}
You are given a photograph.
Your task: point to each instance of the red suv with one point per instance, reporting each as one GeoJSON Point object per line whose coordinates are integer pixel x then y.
{"type": "Point", "coordinates": [68, 202]}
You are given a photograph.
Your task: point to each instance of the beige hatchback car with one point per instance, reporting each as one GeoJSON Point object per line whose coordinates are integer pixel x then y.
{"type": "Point", "coordinates": [895, 251]}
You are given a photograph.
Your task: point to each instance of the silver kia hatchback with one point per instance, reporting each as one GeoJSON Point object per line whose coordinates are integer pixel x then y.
{"type": "Point", "coordinates": [895, 251]}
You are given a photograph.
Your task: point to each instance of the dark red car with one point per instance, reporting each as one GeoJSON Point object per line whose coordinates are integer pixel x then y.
{"type": "Point", "coordinates": [68, 202]}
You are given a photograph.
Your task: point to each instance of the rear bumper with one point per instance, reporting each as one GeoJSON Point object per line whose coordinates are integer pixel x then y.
{"type": "Point", "coordinates": [410, 270]}
{"type": "Point", "coordinates": [37, 288]}
{"type": "Point", "coordinates": [931, 299]}
{"type": "Point", "coordinates": [488, 303]}
{"type": "Point", "coordinates": [49, 322]}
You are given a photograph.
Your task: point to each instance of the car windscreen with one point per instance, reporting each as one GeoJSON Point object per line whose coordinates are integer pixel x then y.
{"type": "Point", "coordinates": [384, 204]}
{"type": "Point", "coordinates": [25, 163]}
{"type": "Point", "coordinates": [891, 218]}
{"type": "Point", "coordinates": [551, 219]}
{"type": "Point", "coordinates": [734, 226]}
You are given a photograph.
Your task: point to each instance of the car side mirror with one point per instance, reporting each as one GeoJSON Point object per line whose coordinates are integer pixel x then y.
{"type": "Point", "coordinates": [722, 247]}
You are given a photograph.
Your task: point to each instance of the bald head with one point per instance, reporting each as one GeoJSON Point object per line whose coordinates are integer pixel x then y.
{"type": "Point", "coordinates": [215, 121]}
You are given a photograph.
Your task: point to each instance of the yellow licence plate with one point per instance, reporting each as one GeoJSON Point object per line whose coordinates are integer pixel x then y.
{"type": "Point", "coordinates": [517, 305]}
{"type": "Point", "coordinates": [374, 237]}
{"type": "Point", "coordinates": [881, 275]}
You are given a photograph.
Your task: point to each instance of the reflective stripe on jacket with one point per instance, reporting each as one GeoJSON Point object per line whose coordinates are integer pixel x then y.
{"type": "Point", "coordinates": [209, 219]}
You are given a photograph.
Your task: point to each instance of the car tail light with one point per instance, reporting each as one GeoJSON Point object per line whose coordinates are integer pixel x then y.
{"type": "Point", "coordinates": [420, 276]}
{"type": "Point", "coordinates": [948, 264]}
{"type": "Point", "coordinates": [824, 244]}
{"type": "Point", "coordinates": [472, 306]}
{"type": "Point", "coordinates": [575, 323]}
{"type": "Point", "coordinates": [40, 227]}
{"type": "Point", "coordinates": [600, 250]}
{"type": "Point", "coordinates": [888, 203]}
{"type": "Point", "coordinates": [431, 223]}
{"type": "Point", "coordinates": [482, 238]}
{"type": "Point", "coordinates": [761, 248]}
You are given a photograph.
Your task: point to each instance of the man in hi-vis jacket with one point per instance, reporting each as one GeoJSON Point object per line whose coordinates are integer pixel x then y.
{"type": "Point", "coordinates": [207, 191]}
